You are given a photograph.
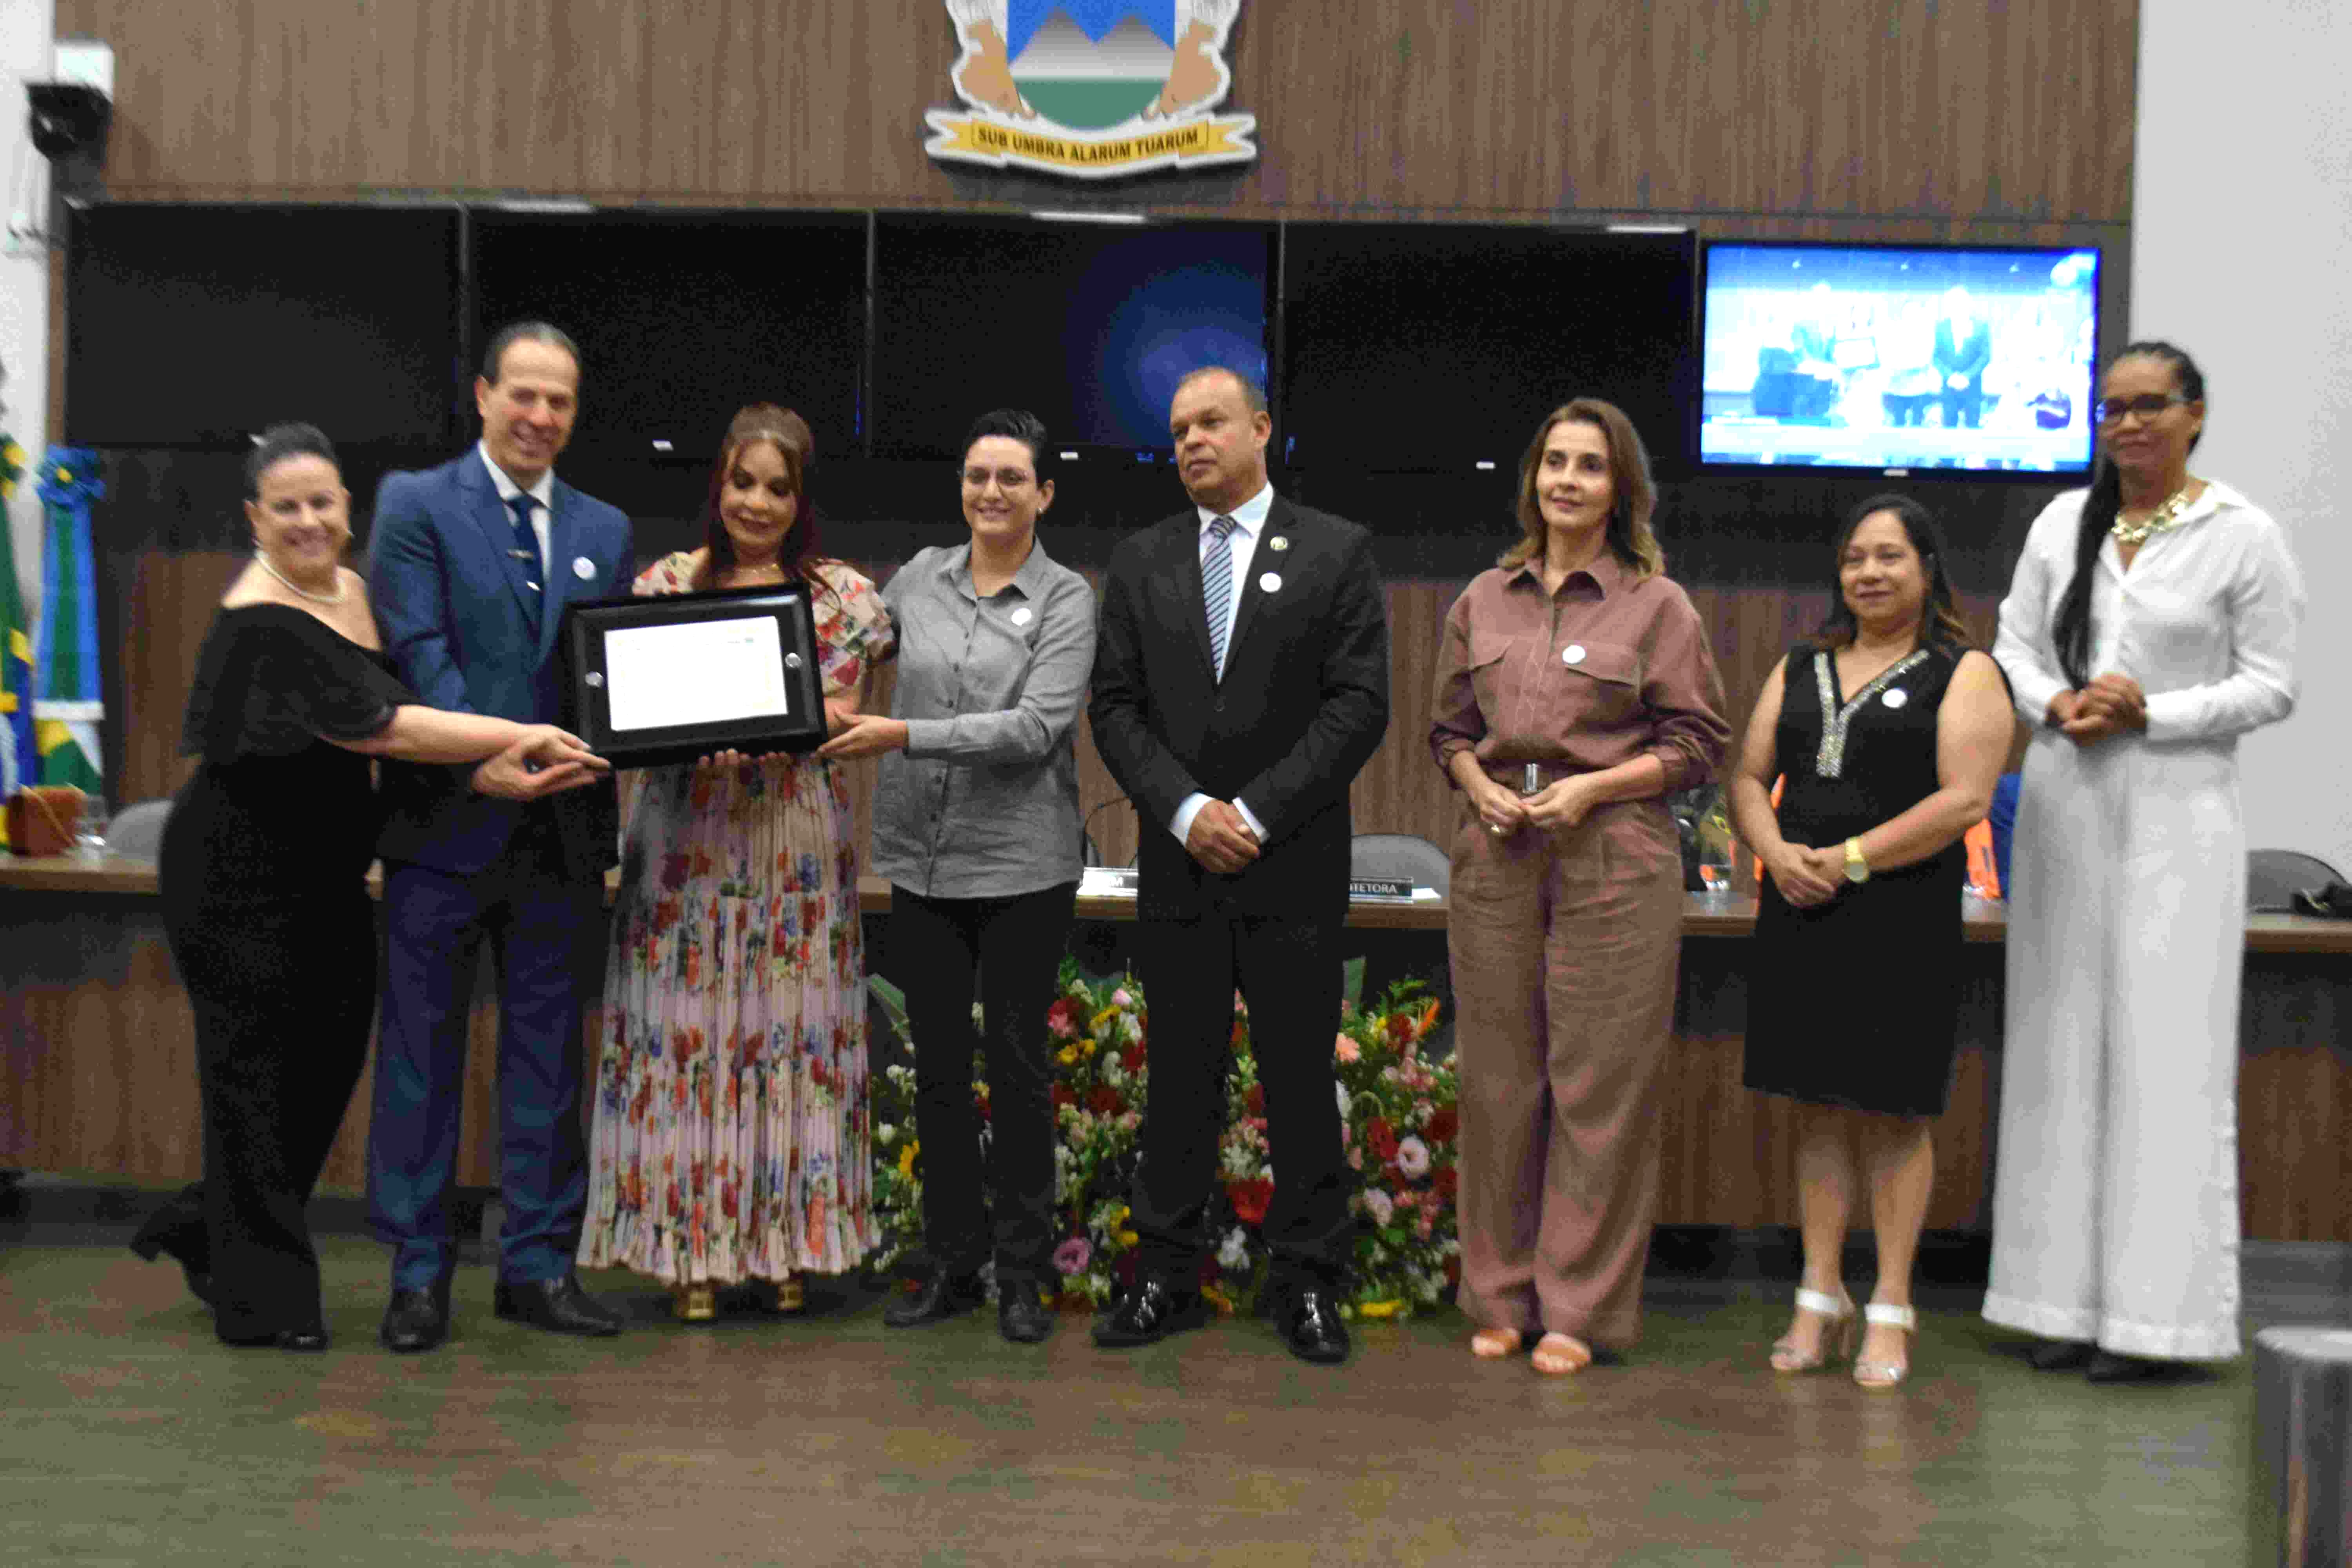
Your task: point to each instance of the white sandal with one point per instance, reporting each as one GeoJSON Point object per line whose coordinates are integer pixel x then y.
{"type": "Point", "coordinates": [1886, 1374]}
{"type": "Point", "coordinates": [1838, 1332]}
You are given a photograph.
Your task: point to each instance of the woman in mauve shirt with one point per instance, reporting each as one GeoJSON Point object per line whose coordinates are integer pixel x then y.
{"type": "Point", "coordinates": [1575, 691]}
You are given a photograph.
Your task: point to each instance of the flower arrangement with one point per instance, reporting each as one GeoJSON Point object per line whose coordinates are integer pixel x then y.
{"type": "Point", "coordinates": [1398, 1113]}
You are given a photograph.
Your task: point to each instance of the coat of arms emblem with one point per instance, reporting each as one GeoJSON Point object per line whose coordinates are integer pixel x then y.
{"type": "Point", "coordinates": [1092, 87]}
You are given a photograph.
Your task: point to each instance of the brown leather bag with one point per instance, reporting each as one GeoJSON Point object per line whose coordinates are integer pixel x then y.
{"type": "Point", "coordinates": [42, 820]}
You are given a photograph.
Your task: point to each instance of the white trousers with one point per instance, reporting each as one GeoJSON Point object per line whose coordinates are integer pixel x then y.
{"type": "Point", "coordinates": [2116, 1176]}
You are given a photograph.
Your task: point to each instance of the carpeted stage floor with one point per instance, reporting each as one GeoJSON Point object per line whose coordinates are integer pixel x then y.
{"type": "Point", "coordinates": [128, 1436]}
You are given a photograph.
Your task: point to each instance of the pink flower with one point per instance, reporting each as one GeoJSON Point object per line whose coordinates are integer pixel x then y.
{"type": "Point", "coordinates": [1413, 1158]}
{"type": "Point", "coordinates": [1345, 1050]}
{"type": "Point", "coordinates": [1379, 1205]}
{"type": "Point", "coordinates": [1122, 997]}
{"type": "Point", "coordinates": [1073, 1256]}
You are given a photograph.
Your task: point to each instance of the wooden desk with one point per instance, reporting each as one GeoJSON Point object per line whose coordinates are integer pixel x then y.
{"type": "Point", "coordinates": [97, 1055]}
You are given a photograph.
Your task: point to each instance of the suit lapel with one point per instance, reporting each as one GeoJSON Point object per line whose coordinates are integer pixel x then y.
{"type": "Point", "coordinates": [562, 544]}
{"type": "Point", "coordinates": [1191, 609]}
{"type": "Point", "coordinates": [496, 523]}
{"type": "Point", "coordinates": [1265, 562]}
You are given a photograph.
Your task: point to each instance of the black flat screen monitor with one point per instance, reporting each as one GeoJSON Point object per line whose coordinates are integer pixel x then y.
{"type": "Point", "coordinates": [194, 326]}
{"type": "Point", "coordinates": [1434, 347]}
{"type": "Point", "coordinates": [1090, 326]}
{"type": "Point", "coordinates": [1899, 357]}
{"type": "Point", "coordinates": [683, 318]}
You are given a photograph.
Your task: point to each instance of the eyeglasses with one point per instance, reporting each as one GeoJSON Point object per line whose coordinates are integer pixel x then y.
{"type": "Point", "coordinates": [976, 478]}
{"type": "Point", "coordinates": [2147, 406]}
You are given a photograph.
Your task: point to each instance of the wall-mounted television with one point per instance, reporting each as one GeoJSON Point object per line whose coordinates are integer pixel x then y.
{"type": "Point", "coordinates": [682, 318]}
{"type": "Point", "coordinates": [196, 326]}
{"type": "Point", "coordinates": [1438, 347]}
{"type": "Point", "coordinates": [1898, 358]}
{"type": "Point", "coordinates": [1088, 325]}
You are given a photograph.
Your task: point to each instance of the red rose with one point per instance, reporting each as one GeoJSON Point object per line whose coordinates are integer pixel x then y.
{"type": "Point", "coordinates": [1257, 1099]}
{"type": "Point", "coordinates": [1131, 1059]}
{"type": "Point", "coordinates": [1402, 1029]}
{"type": "Point", "coordinates": [1445, 1184]}
{"type": "Point", "coordinates": [1443, 1127]}
{"type": "Point", "coordinates": [1103, 1100]}
{"type": "Point", "coordinates": [1381, 1138]}
{"type": "Point", "coordinates": [1061, 1095]}
{"type": "Point", "coordinates": [1250, 1199]}
{"type": "Point", "coordinates": [1061, 1019]}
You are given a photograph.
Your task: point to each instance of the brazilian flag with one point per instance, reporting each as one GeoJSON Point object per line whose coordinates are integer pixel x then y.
{"type": "Point", "coordinates": [19, 764]}
{"type": "Point", "coordinates": [65, 715]}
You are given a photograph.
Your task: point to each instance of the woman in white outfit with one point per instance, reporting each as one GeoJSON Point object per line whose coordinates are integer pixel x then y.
{"type": "Point", "coordinates": [2152, 621]}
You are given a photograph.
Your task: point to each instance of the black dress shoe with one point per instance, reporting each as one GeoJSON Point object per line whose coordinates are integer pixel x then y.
{"type": "Point", "coordinates": [559, 1306]}
{"type": "Point", "coordinates": [417, 1321]}
{"type": "Point", "coordinates": [307, 1339]}
{"type": "Point", "coordinates": [942, 1296]}
{"type": "Point", "coordinates": [1149, 1311]}
{"type": "Point", "coordinates": [2062, 1355]}
{"type": "Point", "coordinates": [1311, 1327]}
{"type": "Point", "coordinates": [2106, 1366]}
{"type": "Point", "coordinates": [1022, 1315]}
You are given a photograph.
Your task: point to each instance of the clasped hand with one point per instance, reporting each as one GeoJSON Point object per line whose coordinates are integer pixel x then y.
{"type": "Point", "coordinates": [1220, 839]}
{"type": "Point", "coordinates": [545, 761]}
{"type": "Point", "coordinates": [2109, 705]}
{"type": "Point", "coordinates": [1562, 805]}
{"type": "Point", "coordinates": [1806, 877]}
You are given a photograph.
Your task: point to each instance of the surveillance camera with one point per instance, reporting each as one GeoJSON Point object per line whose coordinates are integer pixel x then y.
{"type": "Point", "coordinates": [68, 118]}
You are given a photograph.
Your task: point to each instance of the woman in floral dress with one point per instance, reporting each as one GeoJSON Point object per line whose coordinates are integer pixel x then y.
{"type": "Point", "coordinates": [730, 1142]}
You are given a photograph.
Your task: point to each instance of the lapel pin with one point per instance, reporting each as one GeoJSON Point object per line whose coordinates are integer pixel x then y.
{"type": "Point", "coordinates": [1896, 698]}
{"type": "Point", "coordinates": [1573, 654]}
{"type": "Point", "coordinates": [1270, 583]}
{"type": "Point", "coordinates": [1022, 617]}
{"type": "Point", "coordinates": [582, 568]}
{"type": "Point", "coordinates": [1277, 543]}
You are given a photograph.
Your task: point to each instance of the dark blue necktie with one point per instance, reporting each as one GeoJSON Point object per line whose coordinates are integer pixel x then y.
{"type": "Point", "coordinates": [526, 547]}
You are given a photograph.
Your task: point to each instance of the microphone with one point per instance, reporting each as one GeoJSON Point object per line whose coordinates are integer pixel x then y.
{"type": "Point", "coordinates": [1086, 835]}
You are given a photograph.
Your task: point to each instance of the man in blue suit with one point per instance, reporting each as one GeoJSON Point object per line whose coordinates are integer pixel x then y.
{"type": "Point", "coordinates": [471, 564]}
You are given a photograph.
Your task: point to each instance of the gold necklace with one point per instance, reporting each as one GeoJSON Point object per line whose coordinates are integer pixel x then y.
{"type": "Point", "coordinates": [2163, 520]}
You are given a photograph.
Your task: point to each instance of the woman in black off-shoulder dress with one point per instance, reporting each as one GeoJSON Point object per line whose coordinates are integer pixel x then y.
{"type": "Point", "coordinates": [263, 868]}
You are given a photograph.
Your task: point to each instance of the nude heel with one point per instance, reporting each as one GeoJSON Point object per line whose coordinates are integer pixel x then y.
{"type": "Point", "coordinates": [1887, 1374]}
{"type": "Point", "coordinates": [1839, 1333]}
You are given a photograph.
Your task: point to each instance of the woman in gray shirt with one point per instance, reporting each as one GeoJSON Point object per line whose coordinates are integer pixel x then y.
{"type": "Point", "coordinates": [976, 826]}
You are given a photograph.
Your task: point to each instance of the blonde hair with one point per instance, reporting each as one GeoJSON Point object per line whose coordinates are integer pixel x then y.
{"type": "Point", "coordinates": [1633, 495]}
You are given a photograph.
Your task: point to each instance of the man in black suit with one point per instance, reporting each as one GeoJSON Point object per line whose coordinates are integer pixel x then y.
{"type": "Point", "coordinates": [1241, 683]}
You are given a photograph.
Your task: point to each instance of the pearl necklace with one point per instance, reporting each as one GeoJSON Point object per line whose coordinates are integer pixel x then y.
{"type": "Point", "coordinates": [2163, 520]}
{"type": "Point", "coordinates": [293, 587]}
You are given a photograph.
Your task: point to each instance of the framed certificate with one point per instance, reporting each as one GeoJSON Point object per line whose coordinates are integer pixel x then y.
{"type": "Point", "coordinates": [667, 679]}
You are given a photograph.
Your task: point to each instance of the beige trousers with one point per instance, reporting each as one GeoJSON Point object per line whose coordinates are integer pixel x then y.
{"type": "Point", "coordinates": [1564, 948]}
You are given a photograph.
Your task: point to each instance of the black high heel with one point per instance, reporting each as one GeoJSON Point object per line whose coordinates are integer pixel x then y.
{"type": "Point", "coordinates": [152, 1245]}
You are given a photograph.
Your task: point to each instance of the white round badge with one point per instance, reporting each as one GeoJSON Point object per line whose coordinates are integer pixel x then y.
{"type": "Point", "coordinates": [582, 568]}
{"type": "Point", "coordinates": [1022, 617]}
{"type": "Point", "coordinates": [1277, 544]}
{"type": "Point", "coordinates": [1270, 583]}
{"type": "Point", "coordinates": [1573, 654]}
{"type": "Point", "coordinates": [1896, 698]}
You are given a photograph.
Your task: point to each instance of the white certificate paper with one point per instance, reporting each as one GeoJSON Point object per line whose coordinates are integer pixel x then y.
{"type": "Point", "coordinates": [695, 672]}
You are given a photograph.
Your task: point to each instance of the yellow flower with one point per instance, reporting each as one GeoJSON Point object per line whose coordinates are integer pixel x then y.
{"type": "Point", "coordinates": [13, 455]}
{"type": "Point", "coordinates": [1119, 1214]}
{"type": "Point", "coordinates": [1067, 1055]}
{"type": "Point", "coordinates": [906, 1157]}
{"type": "Point", "coordinates": [1105, 1017]}
{"type": "Point", "coordinates": [7, 489]}
{"type": "Point", "coordinates": [65, 476]}
{"type": "Point", "coordinates": [1378, 1309]}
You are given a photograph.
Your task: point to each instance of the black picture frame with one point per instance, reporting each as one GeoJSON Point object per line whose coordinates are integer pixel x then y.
{"type": "Point", "coordinates": [588, 686]}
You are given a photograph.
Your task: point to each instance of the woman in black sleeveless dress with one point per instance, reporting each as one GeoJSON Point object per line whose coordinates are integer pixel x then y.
{"type": "Point", "coordinates": [1890, 732]}
{"type": "Point", "coordinates": [265, 904]}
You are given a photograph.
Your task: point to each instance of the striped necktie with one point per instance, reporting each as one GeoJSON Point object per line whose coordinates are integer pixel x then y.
{"type": "Point", "coordinates": [1217, 588]}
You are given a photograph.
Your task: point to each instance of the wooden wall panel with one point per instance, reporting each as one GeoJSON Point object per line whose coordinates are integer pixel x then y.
{"type": "Point", "coordinates": [1847, 108]}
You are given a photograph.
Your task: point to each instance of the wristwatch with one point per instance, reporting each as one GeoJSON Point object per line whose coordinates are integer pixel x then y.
{"type": "Point", "coordinates": [1857, 869]}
